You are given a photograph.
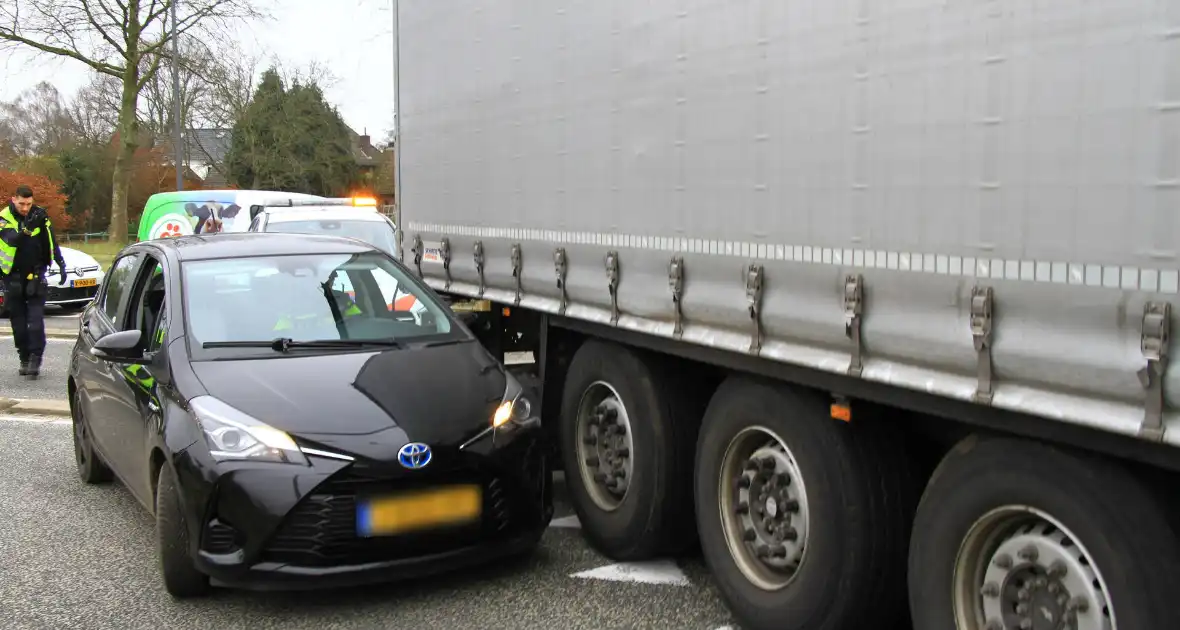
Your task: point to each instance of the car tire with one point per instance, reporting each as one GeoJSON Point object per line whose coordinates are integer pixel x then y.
{"type": "Point", "coordinates": [91, 468]}
{"type": "Point", "coordinates": [181, 577]}
{"type": "Point", "coordinates": [825, 546]}
{"type": "Point", "coordinates": [1103, 514]}
{"type": "Point", "coordinates": [654, 515]}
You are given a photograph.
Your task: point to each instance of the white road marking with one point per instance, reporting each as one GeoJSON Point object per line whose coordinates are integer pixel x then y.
{"type": "Point", "coordinates": [570, 521]}
{"type": "Point", "coordinates": [47, 339]}
{"type": "Point", "coordinates": [36, 419]}
{"type": "Point", "coordinates": [649, 572]}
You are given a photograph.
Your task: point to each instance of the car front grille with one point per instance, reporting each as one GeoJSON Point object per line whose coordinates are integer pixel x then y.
{"type": "Point", "coordinates": [65, 294]}
{"type": "Point", "coordinates": [321, 530]}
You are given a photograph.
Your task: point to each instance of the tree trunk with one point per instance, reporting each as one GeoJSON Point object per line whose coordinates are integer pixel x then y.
{"type": "Point", "coordinates": [128, 131]}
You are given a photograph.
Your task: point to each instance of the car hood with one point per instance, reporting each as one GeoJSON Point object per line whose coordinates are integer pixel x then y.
{"type": "Point", "coordinates": [76, 260]}
{"type": "Point", "coordinates": [365, 402]}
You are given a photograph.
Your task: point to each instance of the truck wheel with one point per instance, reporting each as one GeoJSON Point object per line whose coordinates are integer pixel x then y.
{"type": "Point", "coordinates": [627, 447]}
{"type": "Point", "coordinates": [1022, 535]}
{"type": "Point", "coordinates": [804, 521]}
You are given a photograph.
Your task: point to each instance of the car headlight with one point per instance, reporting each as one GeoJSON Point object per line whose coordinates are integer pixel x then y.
{"type": "Point", "coordinates": [516, 409]}
{"type": "Point", "coordinates": [235, 436]}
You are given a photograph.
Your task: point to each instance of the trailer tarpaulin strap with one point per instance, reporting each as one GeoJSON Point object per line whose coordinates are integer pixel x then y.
{"type": "Point", "coordinates": [1157, 327]}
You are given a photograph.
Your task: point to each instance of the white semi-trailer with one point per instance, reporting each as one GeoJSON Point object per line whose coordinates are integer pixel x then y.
{"type": "Point", "coordinates": [872, 298]}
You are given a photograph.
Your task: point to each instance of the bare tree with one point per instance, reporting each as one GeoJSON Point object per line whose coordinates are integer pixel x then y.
{"type": "Point", "coordinates": [124, 39]}
{"type": "Point", "coordinates": [37, 123]}
{"type": "Point", "coordinates": [94, 109]}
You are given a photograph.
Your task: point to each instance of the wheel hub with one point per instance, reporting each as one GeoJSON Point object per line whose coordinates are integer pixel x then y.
{"type": "Point", "coordinates": [605, 447]}
{"type": "Point", "coordinates": [1039, 579]}
{"type": "Point", "coordinates": [769, 510]}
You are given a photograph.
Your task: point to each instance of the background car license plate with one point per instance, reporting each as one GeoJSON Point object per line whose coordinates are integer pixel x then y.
{"type": "Point", "coordinates": [384, 516]}
{"type": "Point", "coordinates": [85, 282]}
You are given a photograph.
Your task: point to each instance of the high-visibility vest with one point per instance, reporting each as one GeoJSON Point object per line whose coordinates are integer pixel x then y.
{"type": "Point", "coordinates": [8, 252]}
{"type": "Point", "coordinates": [140, 377]}
{"type": "Point", "coordinates": [287, 323]}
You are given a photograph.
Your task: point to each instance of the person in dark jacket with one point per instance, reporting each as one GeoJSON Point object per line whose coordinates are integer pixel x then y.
{"type": "Point", "coordinates": [27, 246]}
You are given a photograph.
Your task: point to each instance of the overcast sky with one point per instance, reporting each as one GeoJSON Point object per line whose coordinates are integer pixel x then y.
{"type": "Point", "coordinates": [354, 39]}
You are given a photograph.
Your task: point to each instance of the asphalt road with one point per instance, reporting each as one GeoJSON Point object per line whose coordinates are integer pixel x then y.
{"type": "Point", "coordinates": [77, 556]}
{"type": "Point", "coordinates": [51, 385]}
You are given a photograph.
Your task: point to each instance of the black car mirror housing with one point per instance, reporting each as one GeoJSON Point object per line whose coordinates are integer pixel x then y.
{"type": "Point", "coordinates": [119, 347]}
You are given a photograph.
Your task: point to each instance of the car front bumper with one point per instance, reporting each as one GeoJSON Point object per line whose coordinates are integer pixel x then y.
{"type": "Point", "coordinates": [287, 527]}
{"type": "Point", "coordinates": [70, 296]}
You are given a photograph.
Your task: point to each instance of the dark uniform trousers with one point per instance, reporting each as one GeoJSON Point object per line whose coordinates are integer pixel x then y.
{"type": "Point", "coordinates": [25, 300]}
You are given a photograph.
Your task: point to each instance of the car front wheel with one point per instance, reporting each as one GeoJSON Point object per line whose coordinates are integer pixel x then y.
{"type": "Point", "coordinates": [91, 468]}
{"type": "Point", "coordinates": [181, 577]}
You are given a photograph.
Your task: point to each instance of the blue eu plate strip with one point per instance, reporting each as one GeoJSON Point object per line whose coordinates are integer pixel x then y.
{"type": "Point", "coordinates": [364, 521]}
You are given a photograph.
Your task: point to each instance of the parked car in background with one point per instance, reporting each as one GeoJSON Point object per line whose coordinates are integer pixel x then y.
{"type": "Point", "coordinates": [284, 433]}
{"type": "Point", "coordinates": [84, 276]}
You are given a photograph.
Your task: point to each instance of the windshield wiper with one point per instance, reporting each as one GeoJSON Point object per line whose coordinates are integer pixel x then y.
{"type": "Point", "coordinates": [285, 344]}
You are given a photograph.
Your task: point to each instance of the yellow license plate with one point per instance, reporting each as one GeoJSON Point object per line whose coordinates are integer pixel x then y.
{"type": "Point", "coordinates": [454, 505]}
{"type": "Point", "coordinates": [85, 282]}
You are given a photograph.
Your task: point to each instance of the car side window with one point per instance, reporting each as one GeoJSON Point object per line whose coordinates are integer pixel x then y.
{"type": "Point", "coordinates": [148, 303]}
{"type": "Point", "coordinates": [116, 286]}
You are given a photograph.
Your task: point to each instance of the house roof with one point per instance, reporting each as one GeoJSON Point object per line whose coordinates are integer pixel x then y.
{"type": "Point", "coordinates": [201, 145]}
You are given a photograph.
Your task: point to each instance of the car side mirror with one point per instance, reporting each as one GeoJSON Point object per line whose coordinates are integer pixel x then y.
{"type": "Point", "coordinates": [119, 347]}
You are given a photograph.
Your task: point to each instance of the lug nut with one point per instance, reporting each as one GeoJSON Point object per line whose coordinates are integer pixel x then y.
{"type": "Point", "coordinates": [743, 482]}
{"type": "Point", "coordinates": [790, 534]}
{"type": "Point", "coordinates": [742, 508]}
{"type": "Point", "coordinates": [778, 551]}
{"type": "Point", "coordinates": [1022, 609]}
{"type": "Point", "coordinates": [592, 461]}
{"type": "Point", "coordinates": [749, 535]}
{"type": "Point", "coordinates": [791, 506]}
{"type": "Point", "coordinates": [1079, 604]}
{"type": "Point", "coordinates": [1023, 595]}
{"type": "Point", "coordinates": [599, 477]}
{"type": "Point", "coordinates": [991, 589]}
{"type": "Point", "coordinates": [751, 464]}
{"type": "Point", "coordinates": [1028, 554]}
{"type": "Point", "coordinates": [610, 413]}
{"type": "Point", "coordinates": [784, 479]}
{"type": "Point", "coordinates": [1057, 570]}
{"type": "Point", "coordinates": [767, 464]}
{"type": "Point", "coordinates": [622, 451]}
{"type": "Point", "coordinates": [761, 551]}
{"type": "Point", "coordinates": [1003, 561]}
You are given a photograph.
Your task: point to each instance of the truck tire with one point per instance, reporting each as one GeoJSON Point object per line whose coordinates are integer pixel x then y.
{"type": "Point", "coordinates": [1007, 523]}
{"type": "Point", "coordinates": [181, 577]}
{"type": "Point", "coordinates": [804, 520]}
{"type": "Point", "coordinates": [627, 447]}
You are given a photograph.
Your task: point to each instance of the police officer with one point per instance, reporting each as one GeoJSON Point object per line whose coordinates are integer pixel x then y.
{"type": "Point", "coordinates": [26, 248]}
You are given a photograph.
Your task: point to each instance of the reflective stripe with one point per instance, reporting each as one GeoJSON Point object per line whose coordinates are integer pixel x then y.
{"type": "Point", "coordinates": [7, 252]}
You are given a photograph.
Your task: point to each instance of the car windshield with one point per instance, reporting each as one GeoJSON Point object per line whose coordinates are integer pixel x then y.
{"type": "Point", "coordinates": [309, 297]}
{"type": "Point", "coordinates": [379, 234]}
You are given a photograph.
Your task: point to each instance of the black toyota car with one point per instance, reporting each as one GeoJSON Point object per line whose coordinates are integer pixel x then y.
{"type": "Point", "coordinates": [288, 427]}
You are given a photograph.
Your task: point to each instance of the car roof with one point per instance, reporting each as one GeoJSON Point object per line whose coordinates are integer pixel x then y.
{"type": "Point", "coordinates": [250, 244]}
{"type": "Point", "coordinates": [279, 214]}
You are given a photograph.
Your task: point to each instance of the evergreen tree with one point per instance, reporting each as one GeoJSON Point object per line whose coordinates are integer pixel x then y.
{"type": "Point", "coordinates": [291, 139]}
